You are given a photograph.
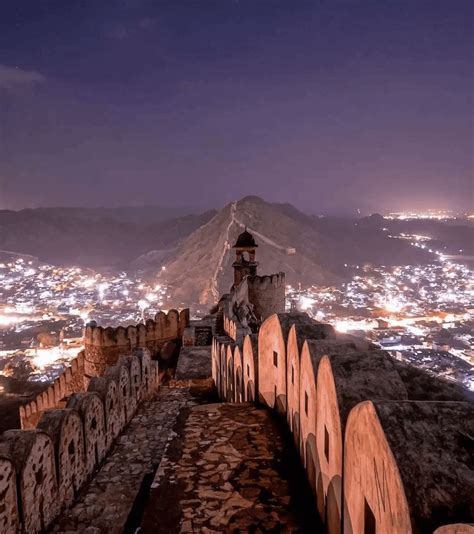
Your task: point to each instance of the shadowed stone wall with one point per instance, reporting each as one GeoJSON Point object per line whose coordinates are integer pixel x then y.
{"type": "Point", "coordinates": [339, 393]}
{"type": "Point", "coordinates": [44, 469]}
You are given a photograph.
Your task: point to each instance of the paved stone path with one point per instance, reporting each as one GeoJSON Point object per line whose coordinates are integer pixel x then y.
{"type": "Point", "coordinates": [105, 504]}
{"type": "Point", "coordinates": [229, 469]}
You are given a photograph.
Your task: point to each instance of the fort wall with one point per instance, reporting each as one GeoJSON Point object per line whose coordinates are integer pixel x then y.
{"type": "Point", "coordinates": [347, 404]}
{"type": "Point", "coordinates": [73, 380]}
{"type": "Point", "coordinates": [103, 347]}
{"type": "Point", "coordinates": [267, 294]}
{"type": "Point", "coordinates": [43, 469]}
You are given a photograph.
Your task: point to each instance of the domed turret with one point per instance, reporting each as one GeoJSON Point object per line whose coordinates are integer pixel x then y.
{"type": "Point", "coordinates": [244, 263]}
{"type": "Point", "coordinates": [245, 240]}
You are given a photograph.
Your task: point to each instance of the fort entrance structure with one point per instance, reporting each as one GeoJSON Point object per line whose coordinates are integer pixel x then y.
{"type": "Point", "coordinates": [269, 421]}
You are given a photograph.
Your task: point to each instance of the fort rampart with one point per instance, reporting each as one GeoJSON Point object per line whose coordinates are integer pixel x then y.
{"type": "Point", "coordinates": [72, 380]}
{"type": "Point", "coordinates": [377, 459]}
{"type": "Point", "coordinates": [42, 469]}
{"type": "Point", "coordinates": [103, 348]}
{"type": "Point", "coordinates": [267, 294]}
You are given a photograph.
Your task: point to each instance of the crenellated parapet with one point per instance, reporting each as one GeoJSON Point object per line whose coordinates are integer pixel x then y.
{"type": "Point", "coordinates": [43, 469]}
{"type": "Point", "coordinates": [267, 294]}
{"type": "Point", "coordinates": [103, 346]}
{"type": "Point", "coordinates": [72, 380]}
{"type": "Point", "coordinates": [230, 327]}
{"type": "Point", "coordinates": [375, 458]}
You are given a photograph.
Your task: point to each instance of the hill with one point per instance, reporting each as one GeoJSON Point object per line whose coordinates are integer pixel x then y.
{"type": "Point", "coordinates": [306, 249]}
{"type": "Point", "coordinates": [96, 237]}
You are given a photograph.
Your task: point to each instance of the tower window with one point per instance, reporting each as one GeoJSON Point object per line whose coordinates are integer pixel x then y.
{"type": "Point", "coordinates": [248, 370]}
{"type": "Point", "coordinates": [275, 358]}
{"type": "Point", "coordinates": [370, 524]}
{"type": "Point", "coordinates": [305, 403]}
{"type": "Point", "coordinates": [292, 374]}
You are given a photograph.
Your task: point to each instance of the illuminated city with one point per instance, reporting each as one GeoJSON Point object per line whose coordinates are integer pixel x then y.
{"type": "Point", "coordinates": [44, 309]}
{"type": "Point", "coordinates": [236, 267]}
{"type": "Point", "coordinates": [423, 314]}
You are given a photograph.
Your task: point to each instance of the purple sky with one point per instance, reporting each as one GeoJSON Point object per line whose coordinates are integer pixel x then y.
{"type": "Point", "coordinates": [331, 106]}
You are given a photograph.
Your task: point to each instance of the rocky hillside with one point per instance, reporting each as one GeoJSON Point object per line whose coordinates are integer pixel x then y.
{"type": "Point", "coordinates": [309, 250]}
{"type": "Point", "coordinates": [200, 268]}
{"type": "Point", "coordinates": [97, 237]}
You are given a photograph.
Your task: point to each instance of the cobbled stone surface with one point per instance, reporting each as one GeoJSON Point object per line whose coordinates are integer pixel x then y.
{"type": "Point", "coordinates": [226, 470]}
{"type": "Point", "coordinates": [103, 507]}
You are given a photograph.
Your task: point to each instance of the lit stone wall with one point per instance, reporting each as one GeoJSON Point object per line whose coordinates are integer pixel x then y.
{"type": "Point", "coordinates": [372, 485]}
{"type": "Point", "coordinates": [267, 294]}
{"type": "Point", "coordinates": [9, 509]}
{"type": "Point", "coordinates": [44, 468]}
{"type": "Point", "coordinates": [408, 465]}
{"type": "Point", "coordinates": [73, 380]}
{"type": "Point", "coordinates": [103, 348]}
{"type": "Point", "coordinates": [340, 393]}
{"type": "Point", "coordinates": [272, 362]}
{"type": "Point", "coordinates": [238, 379]}
{"type": "Point", "coordinates": [250, 367]}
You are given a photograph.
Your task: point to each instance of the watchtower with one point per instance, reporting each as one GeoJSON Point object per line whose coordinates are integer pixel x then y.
{"type": "Point", "coordinates": [244, 263]}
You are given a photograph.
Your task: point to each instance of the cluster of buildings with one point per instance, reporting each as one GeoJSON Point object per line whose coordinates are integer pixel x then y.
{"type": "Point", "coordinates": [385, 447]}
{"type": "Point", "coordinates": [422, 314]}
{"type": "Point", "coordinates": [44, 308]}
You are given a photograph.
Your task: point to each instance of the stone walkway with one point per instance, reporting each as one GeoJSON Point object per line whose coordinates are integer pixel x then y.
{"type": "Point", "coordinates": [106, 503]}
{"type": "Point", "coordinates": [229, 469]}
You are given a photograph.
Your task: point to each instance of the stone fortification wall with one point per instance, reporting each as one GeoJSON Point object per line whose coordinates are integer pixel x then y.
{"type": "Point", "coordinates": [409, 464]}
{"type": "Point", "coordinates": [103, 346]}
{"type": "Point", "coordinates": [73, 380]}
{"type": "Point", "coordinates": [43, 469]}
{"type": "Point", "coordinates": [349, 408]}
{"type": "Point", "coordinates": [230, 327]}
{"type": "Point", "coordinates": [267, 294]}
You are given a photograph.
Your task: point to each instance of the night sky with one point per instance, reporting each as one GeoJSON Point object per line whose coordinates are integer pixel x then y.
{"type": "Point", "coordinates": [331, 106]}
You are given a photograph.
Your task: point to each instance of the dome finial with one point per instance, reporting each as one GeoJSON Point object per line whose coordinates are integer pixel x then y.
{"type": "Point", "coordinates": [245, 240]}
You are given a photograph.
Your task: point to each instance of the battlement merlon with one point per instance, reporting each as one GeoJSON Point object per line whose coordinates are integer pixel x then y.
{"type": "Point", "coordinates": [103, 346]}
{"type": "Point", "coordinates": [267, 294]}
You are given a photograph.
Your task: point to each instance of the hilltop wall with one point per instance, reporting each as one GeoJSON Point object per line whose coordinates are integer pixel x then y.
{"type": "Point", "coordinates": [267, 294]}
{"type": "Point", "coordinates": [351, 411]}
{"type": "Point", "coordinates": [103, 346]}
{"type": "Point", "coordinates": [72, 380]}
{"type": "Point", "coordinates": [43, 469]}
{"type": "Point", "coordinates": [251, 302]}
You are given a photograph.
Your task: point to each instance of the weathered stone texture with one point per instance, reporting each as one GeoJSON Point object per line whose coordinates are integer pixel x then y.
{"type": "Point", "coordinates": [66, 430]}
{"type": "Point", "coordinates": [91, 409]}
{"type": "Point", "coordinates": [33, 454]}
{"type": "Point", "coordinates": [106, 503]}
{"type": "Point", "coordinates": [194, 363]}
{"type": "Point", "coordinates": [410, 463]}
{"type": "Point", "coordinates": [224, 472]}
{"type": "Point", "coordinates": [267, 294]}
{"type": "Point", "coordinates": [9, 520]}
{"type": "Point", "coordinates": [250, 367]}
